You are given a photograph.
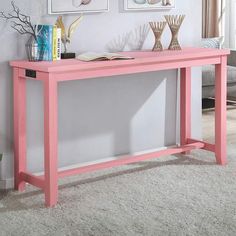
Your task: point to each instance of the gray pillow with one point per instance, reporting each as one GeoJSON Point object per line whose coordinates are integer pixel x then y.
{"type": "Point", "coordinates": [213, 42]}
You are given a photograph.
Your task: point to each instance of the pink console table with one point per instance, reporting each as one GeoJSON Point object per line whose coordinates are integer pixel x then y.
{"type": "Point", "coordinates": [51, 73]}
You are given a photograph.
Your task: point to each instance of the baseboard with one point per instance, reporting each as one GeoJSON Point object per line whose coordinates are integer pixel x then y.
{"type": "Point", "coordinates": [6, 184]}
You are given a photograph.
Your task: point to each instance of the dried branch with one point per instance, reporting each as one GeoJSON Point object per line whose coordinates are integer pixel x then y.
{"type": "Point", "coordinates": [23, 18]}
{"type": "Point", "coordinates": [20, 22]}
{"type": "Point", "coordinates": [20, 29]}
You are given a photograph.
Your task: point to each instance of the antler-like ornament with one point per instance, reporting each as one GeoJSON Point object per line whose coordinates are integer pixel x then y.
{"type": "Point", "coordinates": [66, 36]}
{"type": "Point", "coordinates": [74, 26]}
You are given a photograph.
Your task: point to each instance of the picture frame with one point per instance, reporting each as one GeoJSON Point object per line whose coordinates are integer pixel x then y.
{"type": "Point", "coordinates": [60, 7]}
{"type": "Point", "coordinates": [144, 5]}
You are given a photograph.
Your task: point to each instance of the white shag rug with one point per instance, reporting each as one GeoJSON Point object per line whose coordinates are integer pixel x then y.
{"type": "Point", "coordinates": [175, 195]}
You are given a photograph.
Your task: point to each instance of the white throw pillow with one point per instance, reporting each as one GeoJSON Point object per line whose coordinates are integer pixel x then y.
{"type": "Point", "coordinates": [213, 42]}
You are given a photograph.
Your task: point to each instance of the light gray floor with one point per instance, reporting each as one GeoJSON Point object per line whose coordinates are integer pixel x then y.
{"type": "Point", "coordinates": [178, 195]}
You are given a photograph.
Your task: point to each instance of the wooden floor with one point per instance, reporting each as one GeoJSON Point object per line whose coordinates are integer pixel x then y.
{"type": "Point", "coordinates": [209, 125]}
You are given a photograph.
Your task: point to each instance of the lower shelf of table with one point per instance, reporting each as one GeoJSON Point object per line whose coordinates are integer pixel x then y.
{"type": "Point", "coordinates": [39, 182]}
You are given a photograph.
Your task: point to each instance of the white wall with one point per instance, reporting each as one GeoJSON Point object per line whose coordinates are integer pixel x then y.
{"type": "Point", "coordinates": [99, 118]}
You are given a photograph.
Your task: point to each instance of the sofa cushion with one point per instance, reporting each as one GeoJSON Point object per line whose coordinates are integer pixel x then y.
{"type": "Point", "coordinates": [216, 42]}
{"type": "Point", "coordinates": [208, 75]}
{"type": "Point", "coordinates": [209, 91]}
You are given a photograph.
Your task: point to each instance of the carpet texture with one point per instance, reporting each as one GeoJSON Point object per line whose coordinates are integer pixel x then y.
{"type": "Point", "coordinates": [175, 195]}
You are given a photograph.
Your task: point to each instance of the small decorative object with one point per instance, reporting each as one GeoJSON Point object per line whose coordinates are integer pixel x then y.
{"type": "Point", "coordinates": [166, 2]}
{"type": "Point", "coordinates": [139, 5]}
{"type": "Point", "coordinates": [78, 3]}
{"type": "Point", "coordinates": [138, 37]}
{"type": "Point", "coordinates": [66, 35]}
{"type": "Point", "coordinates": [158, 28]}
{"type": "Point", "coordinates": [174, 23]}
{"type": "Point", "coordinates": [22, 24]}
{"type": "Point", "coordinates": [77, 6]}
{"type": "Point", "coordinates": [34, 49]}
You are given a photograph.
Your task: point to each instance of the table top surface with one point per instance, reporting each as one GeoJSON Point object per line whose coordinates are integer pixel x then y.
{"type": "Point", "coordinates": [140, 58]}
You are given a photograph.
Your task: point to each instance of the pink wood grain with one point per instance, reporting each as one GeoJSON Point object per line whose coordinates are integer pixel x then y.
{"type": "Point", "coordinates": [220, 111]}
{"type": "Point", "coordinates": [124, 70]}
{"type": "Point", "coordinates": [19, 86]}
{"type": "Point", "coordinates": [142, 58]}
{"type": "Point", "coordinates": [37, 181]}
{"type": "Point", "coordinates": [207, 146]}
{"type": "Point", "coordinates": [185, 105]}
{"type": "Point", "coordinates": [131, 159]}
{"type": "Point", "coordinates": [50, 73]}
{"type": "Point", "coordinates": [50, 142]}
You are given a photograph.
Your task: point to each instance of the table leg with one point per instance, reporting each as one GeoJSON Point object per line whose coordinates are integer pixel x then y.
{"type": "Point", "coordinates": [220, 111]}
{"type": "Point", "coordinates": [185, 105]}
{"type": "Point", "coordinates": [19, 90]}
{"type": "Point", "coordinates": [50, 142]}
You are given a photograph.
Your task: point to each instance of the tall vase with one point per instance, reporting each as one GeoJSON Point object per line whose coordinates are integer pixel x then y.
{"type": "Point", "coordinates": [35, 49]}
{"type": "Point", "coordinates": [157, 28]}
{"type": "Point", "coordinates": [174, 23]}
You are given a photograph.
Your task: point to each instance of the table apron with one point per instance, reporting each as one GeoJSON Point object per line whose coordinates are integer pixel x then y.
{"type": "Point", "coordinates": [124, 70]}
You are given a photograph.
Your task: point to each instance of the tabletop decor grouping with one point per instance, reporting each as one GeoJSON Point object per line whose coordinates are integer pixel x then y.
{"type": "Point", "coordinates": [174, 23]}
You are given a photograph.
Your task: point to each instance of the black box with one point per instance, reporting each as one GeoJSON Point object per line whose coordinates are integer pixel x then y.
{"type": "Point", "coordinates": [68, 55]}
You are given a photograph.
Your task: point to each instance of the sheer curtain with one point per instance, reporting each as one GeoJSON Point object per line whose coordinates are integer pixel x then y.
{"type": "Point", "coordinates": [230, 24]}
{"type": "Point", "coordinates": [213, 18]}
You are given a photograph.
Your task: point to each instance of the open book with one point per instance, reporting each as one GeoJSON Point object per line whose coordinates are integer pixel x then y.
{"type": "Point", "coordinates": [92, 56]}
